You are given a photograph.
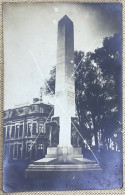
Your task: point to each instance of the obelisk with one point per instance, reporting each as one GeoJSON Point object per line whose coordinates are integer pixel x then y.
{"type": "Point", "coordinates": [64, 112]}
{"type": "Point", "coordinates": [64, 85]}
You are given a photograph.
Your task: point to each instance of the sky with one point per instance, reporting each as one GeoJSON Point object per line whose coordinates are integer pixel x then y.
{"type": "Point", "coordinates": [30, 41]}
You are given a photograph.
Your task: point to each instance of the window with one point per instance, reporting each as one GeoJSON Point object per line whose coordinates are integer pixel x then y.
{"type": "Point", "coordinates": [41, 128]}
{"type": "Point", "coordinates": [17, 131]}
{"type": "Point", "coordinates": [40, 146]}
{"type": "Point", "coordinates": [8, 132]}
{"type": "Point", "coordinates": [41, 109]}
{"type": "Point", "coordinates": [26, 131]}
{"type": "Point", "coordinates": [29, 129]}
{"type": "Point", "coordinates": [15, 150]}
{"type": "Point", "coordinates": [13, 131]}
{"type": "Point", "coordinates": [34, 129]}
{"type": "Point", "coordinates": [4, 132]}
{"type": "Point", "coordinates": [21, 130]}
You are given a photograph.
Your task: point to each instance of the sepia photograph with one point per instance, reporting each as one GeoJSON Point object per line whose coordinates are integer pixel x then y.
{"type": "Point", "coordinates": [62, 126]}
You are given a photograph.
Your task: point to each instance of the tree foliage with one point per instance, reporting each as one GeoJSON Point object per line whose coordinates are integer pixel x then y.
{"type": "Point", "coordinates": [98, 91]}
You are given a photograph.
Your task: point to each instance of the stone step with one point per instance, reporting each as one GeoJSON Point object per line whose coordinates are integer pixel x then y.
{"type": "Point", "coordinates": [62, 167]}
{"type": "Point", "coordinates": [45, 161]}
{"type": "Point", "coordinates": [55, 156]}
{"type": "Point", "coordinates": [83, 161]}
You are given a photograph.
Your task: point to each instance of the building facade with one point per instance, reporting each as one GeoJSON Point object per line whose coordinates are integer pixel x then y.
{"type": "Point", "coordinates": [25, 135]}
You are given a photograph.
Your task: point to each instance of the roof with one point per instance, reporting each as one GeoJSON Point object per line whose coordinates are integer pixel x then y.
{"type": "Point", "coordinates": [27, 110]}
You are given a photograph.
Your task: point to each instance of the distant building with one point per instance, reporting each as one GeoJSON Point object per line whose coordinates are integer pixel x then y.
{"type": "Point", "coordinates": [25, 137]}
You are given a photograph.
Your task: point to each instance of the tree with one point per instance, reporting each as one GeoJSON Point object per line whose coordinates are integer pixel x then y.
{"type": "Point", "coordinates": [95, 99]}
{"type": "Point", "coordinates": [98, 97]}
{"type": "Point", "coordinates": [109, 59]}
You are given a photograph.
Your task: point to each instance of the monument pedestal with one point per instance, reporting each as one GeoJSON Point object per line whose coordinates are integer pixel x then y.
{"type": "Point", "coordinates": [61, 159]}
{"type": "Point", "coordinates": [61, 163]}
{"type": "Point", "coordinates": [64, 153]}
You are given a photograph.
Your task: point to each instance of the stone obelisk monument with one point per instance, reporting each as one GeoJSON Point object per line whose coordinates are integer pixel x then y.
{"type": "Point", "coordinates": [64, 110]}
{"type": "Point", "coordinates": [65, 86]}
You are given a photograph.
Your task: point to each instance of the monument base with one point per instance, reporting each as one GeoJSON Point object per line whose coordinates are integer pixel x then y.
{"type": "Point", "coordinates": [64, 154]}
{"type": "Point", "coordinates": [61, 159]}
